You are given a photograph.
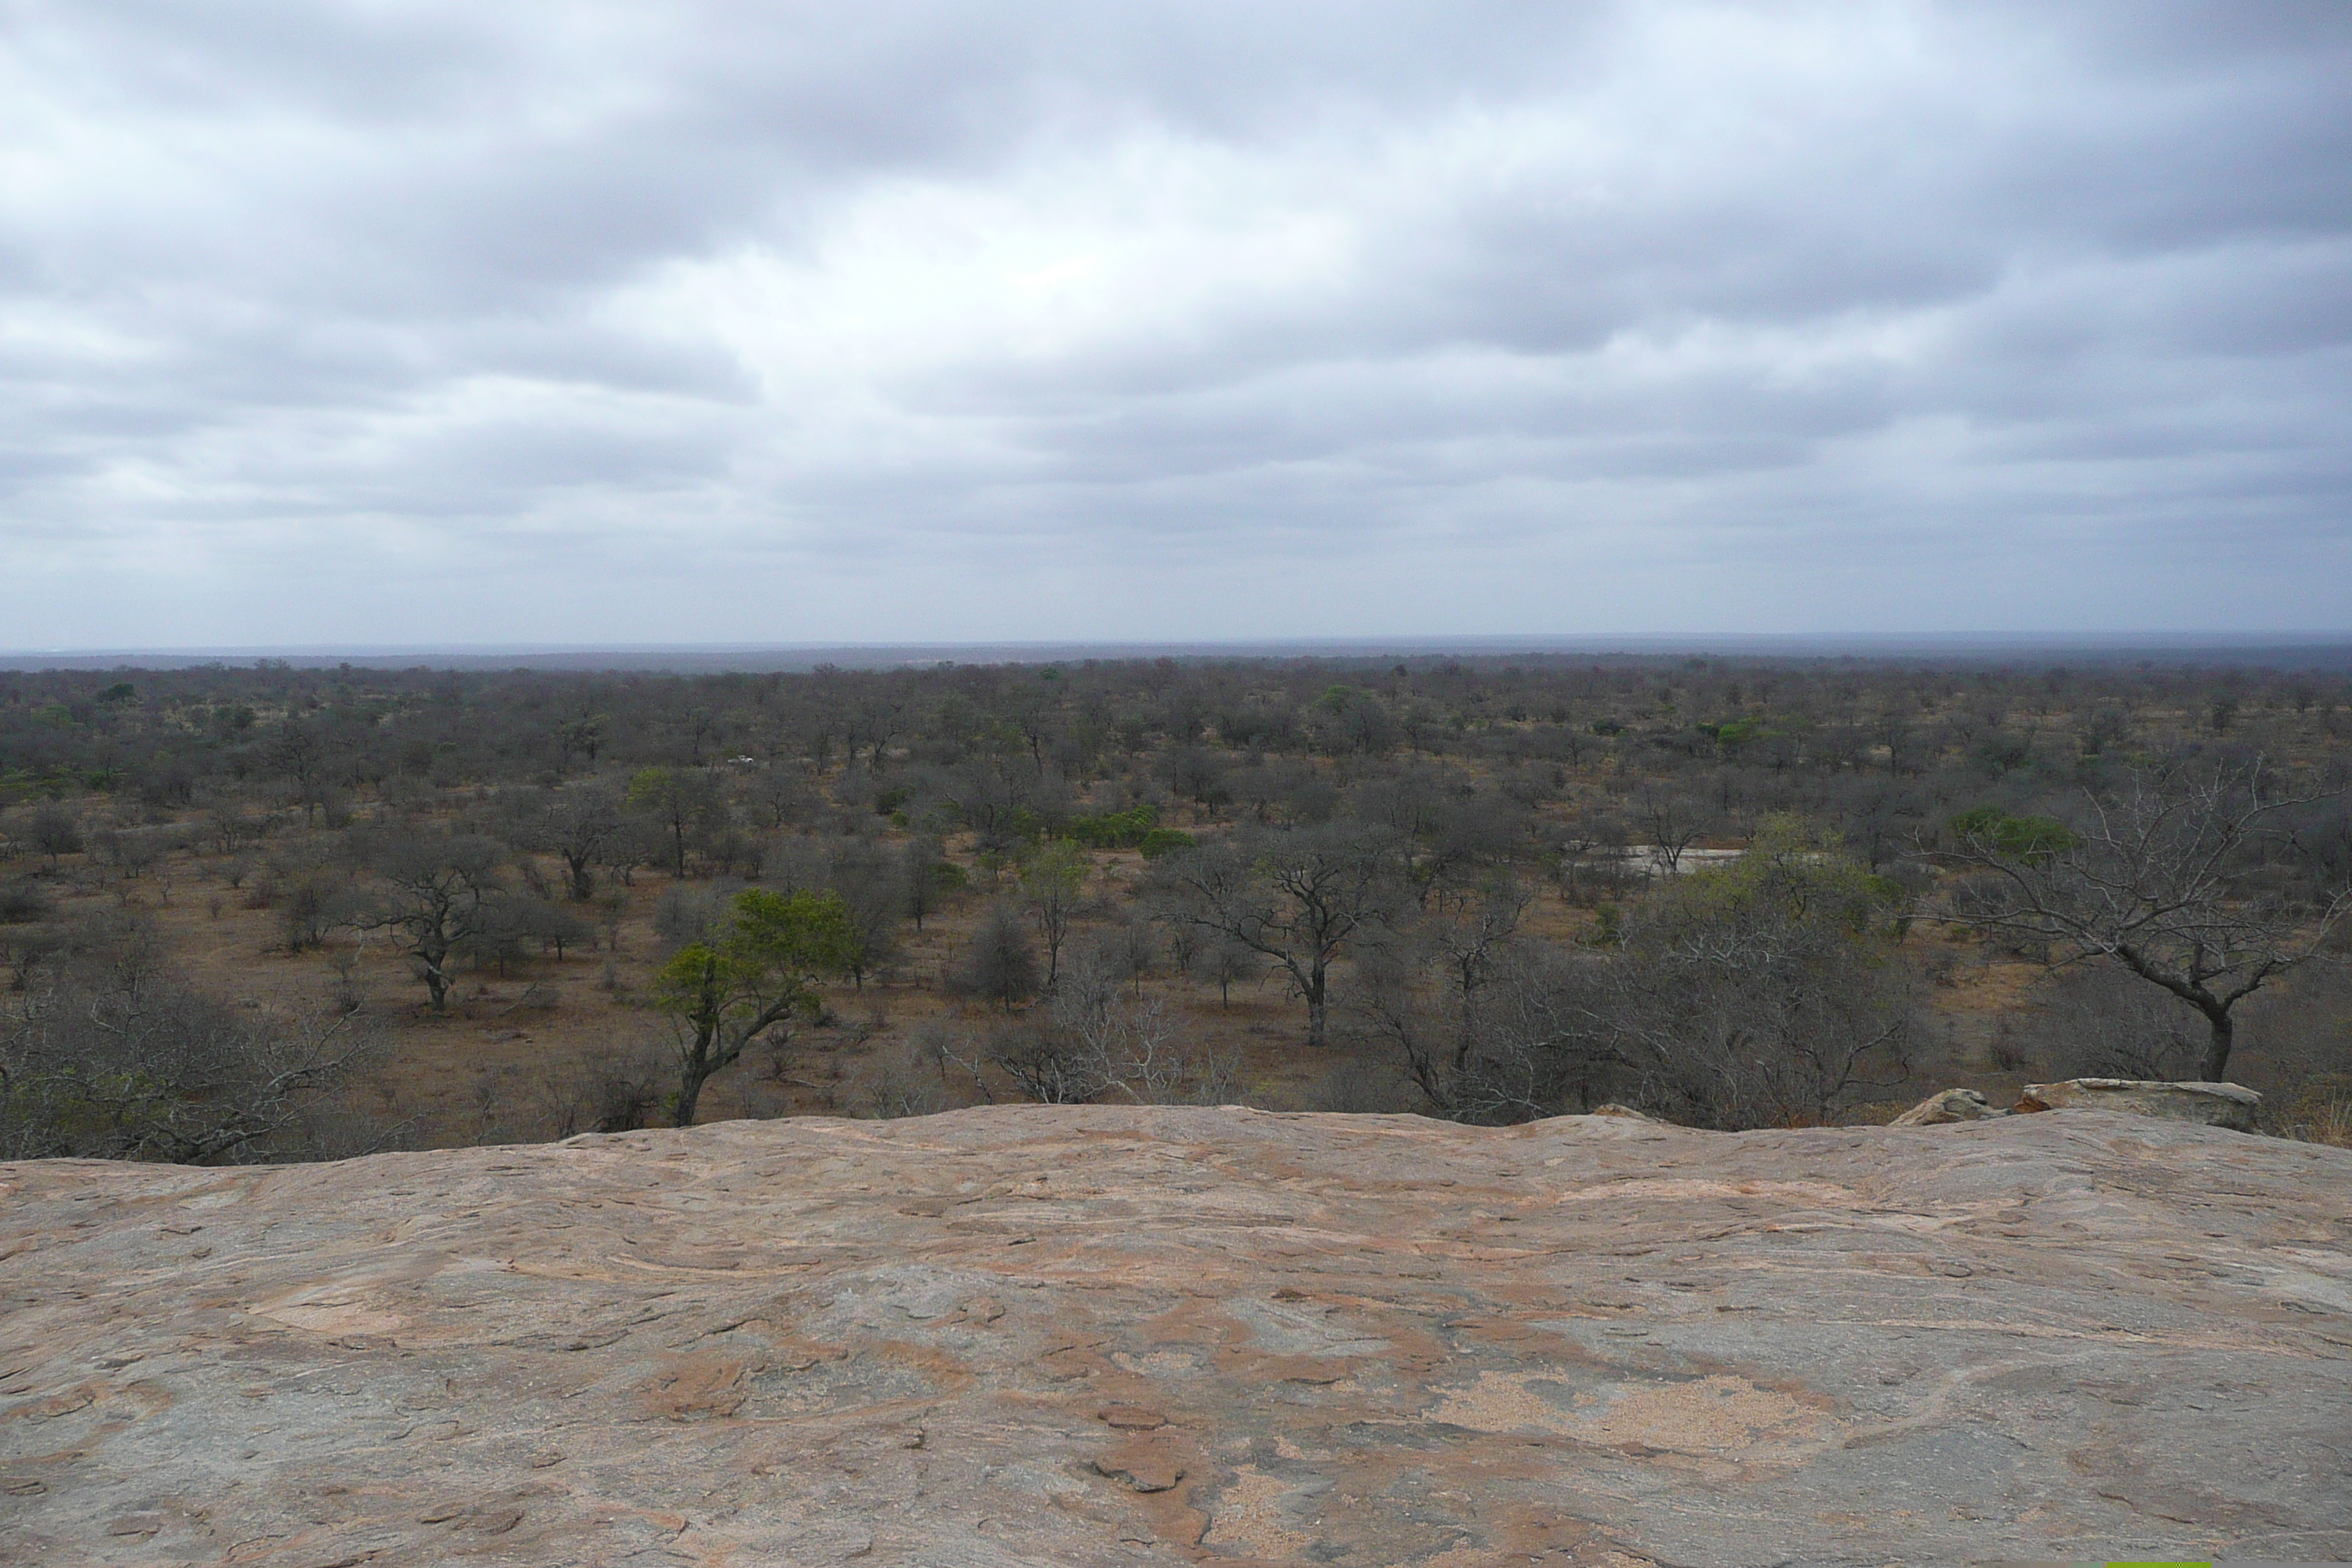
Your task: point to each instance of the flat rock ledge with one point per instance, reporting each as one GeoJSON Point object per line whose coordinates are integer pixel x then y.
{"type": "Point", "coordinates": [2230, 1105]}
{"type": "Point", "coordinates": [1086, 1335]}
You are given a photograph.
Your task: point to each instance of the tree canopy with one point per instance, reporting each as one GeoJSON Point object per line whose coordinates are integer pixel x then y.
{"type": "Point", "coordinates": [758, 971]}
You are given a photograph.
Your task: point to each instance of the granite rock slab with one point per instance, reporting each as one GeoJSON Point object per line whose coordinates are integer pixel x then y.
{"type": "Point", "coordinates": [1164, 1336]}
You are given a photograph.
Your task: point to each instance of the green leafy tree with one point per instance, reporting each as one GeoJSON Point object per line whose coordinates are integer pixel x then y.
{"type": "Point", "coordinates": [755, 972]}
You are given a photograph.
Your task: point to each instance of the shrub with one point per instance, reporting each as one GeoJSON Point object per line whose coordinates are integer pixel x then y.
{"type": "Point", "coordinates": [1165, 841]}
{"type": "Point", "coordinates": [2032, 838]}
{"type": "Point", "coordinates": [22, 903]}
{"type": "Point", "coordinates": [1001, 964]}
{"type": "Point", "coordinates": [1734, 733]}
{"type": "Point", "coordinates": [1115, 829]}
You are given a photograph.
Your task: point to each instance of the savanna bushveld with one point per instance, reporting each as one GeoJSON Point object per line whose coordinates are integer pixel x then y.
{"type": "Point", "coordinates": [273, 912]}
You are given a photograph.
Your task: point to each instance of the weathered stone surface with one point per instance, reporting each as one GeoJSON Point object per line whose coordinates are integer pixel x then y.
{"type": "Point", "coordinates": [1160, 1336]}
{"type": "Point", "coordinates": [2210, 1104]}
{"type": "Point", "coordinates": [1952, 1105]}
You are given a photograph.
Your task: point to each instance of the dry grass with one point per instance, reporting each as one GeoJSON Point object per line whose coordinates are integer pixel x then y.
{"type": "Point", "coordinates": [2320, 1111]}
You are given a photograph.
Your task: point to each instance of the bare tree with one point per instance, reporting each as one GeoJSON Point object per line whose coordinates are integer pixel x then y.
{"type": "Point", "coordinates": [778, 797]}
{"type": "Point", "coordinates": [998, 804]}
{"type": "Point", "coordinates": [115, 1059]}
{"type": "Point", "coordinates": [297, 755]}
{"type": "Point", "coordinates": [576, 824]}
{"type": "Point", "coordinates": [1050, 1067]}
{"type": "Point", "coordinates": [1297, 898]}
{"type": "Point", "coordinates": [1229, 961]}
{"type": "Point", "coordinates": [870, 881]}
{"type": "Point", "coordinates": [441, 895]}
{"type": "Point", "coordinates": [609, 1089]}
{"type": "Point", "coordinates": [1135, 1051]}
{"type": "Point", "coordinates": [1199, 775]}
{"type": "Point", "coordinates": [1473, 930]}
{"type": "Point", "coordinates": [2186, 878]}
{"type": "Point", "coordinates": [55, 831]}
{"type": "Point", "coordinates": [902, 1077]}
{"type": "Point", "coordinates": [555, 927]}
{"type": "Point", "coordinates": [1053, 881]}
{"type": "Point", "coordinates": [1673, 821]}
{"type": "Point", "coordinates": [1535, 1039]}
{"type": "Point", "coordinates": [1126, 950]}
{"type": "Point", "coordinates": [1771, 992]}
{"type": "Point", "coordinates": [2101, 1020]}
{"type": "Point", "coordinates": [924, 872]}
{"type": "Point", "coordinates": [678, 800]}
{"type": "Point", "coordinates": [1098, 1042]}
{"type": "Point", "coordinates": [25, 951]}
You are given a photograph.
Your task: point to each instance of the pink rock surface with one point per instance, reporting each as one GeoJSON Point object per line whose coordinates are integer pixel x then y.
{"type": "Point", "coordinates": [1161, 1336]}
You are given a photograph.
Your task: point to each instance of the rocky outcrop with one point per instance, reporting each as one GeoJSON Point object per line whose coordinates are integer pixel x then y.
{"type": "Point", "coordinates": [1952, 1105]}
{"type": "Point", "coordinates": [1089, 1336]}
{"type": "Point", "coordinates": [2209, 1104]}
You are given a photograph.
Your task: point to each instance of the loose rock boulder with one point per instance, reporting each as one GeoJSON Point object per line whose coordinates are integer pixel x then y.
{"type": "Point", "coordinates": [1160, 1337]}
{"type": "Point", "coordinates": [1952, 1105]}
{"type": "Point", "coordinates": [2226, 1105]}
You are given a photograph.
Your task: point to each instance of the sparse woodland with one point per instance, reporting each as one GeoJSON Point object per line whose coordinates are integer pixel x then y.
{"type": "Point", "coordinates": [276, 913]}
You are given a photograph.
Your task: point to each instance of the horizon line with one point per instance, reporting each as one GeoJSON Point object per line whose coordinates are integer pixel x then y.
{"type": "Point", "coordinates": [2333, 650]}
{"type": "Point", "coordinates": [2160, 638]}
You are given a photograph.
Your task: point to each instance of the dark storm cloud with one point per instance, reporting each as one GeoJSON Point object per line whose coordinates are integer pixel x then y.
{"type": "Point", "coordinates": [726, 320]}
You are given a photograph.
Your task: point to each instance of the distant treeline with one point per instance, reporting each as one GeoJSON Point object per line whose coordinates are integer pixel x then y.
{"type": "Point", "coordinates": [163, 734]}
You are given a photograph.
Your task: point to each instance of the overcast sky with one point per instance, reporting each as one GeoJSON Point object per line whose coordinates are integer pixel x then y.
{"type": "Point", "coordinates": [414, 322]}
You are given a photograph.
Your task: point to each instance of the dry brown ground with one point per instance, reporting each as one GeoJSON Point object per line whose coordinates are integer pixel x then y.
{"type": "Point", "coordinates": [483, 1069]}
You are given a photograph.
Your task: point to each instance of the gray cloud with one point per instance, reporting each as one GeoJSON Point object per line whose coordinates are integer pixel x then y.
{"type": "Point", "coordinates": [731, 321]}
